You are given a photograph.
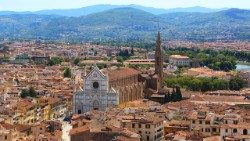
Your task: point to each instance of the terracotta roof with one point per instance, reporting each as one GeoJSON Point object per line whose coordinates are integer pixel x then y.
{"type": "Point", "coordinates": [242, 125]}
{"type": "Point", "coordinates": [122, 73]}
{"type": "Point", "coordinates": [21, 127]}
{"type": "Point", "coordinates": [53, 100]}
{"type": "Point", "coordinates": [25, 105]}
{"type": "Point", "coordinates": [79, 130]}
{"type": "Point", "coordinates": [7, 126]}
{"type": "Point", "coordinates": [213, 138]}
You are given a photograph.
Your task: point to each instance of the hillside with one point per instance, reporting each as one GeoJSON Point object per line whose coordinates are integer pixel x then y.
{"type": "Point", "coordinates": [129, 24]}
{"type": "Point", "coordinates": [227, 24]}
{"type": "Point", "coordinates": [77, 12]}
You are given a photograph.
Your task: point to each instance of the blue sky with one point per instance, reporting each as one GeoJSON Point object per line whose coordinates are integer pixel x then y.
{"type": "Point", "coordinates": [34, 5]}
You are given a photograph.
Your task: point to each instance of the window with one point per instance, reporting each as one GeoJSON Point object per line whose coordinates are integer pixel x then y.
{"type": "Point", "coordinates": [235, 122]}
{"type": "Point", "coordinates": [193, 121]}
{"type": "Point", "coordinates": [245, 132]}
{"type": "Point", "coordinates": [147, 126]}
{"type": "Point", "coordinates": [207, 122]}
{"type": "Point", "coordinates": [207, 129]}
{"type": "Point", "coordinates": [214, 129]}
{"type": "Point", "coordinates": [5, 137]}
{"type": "Point", "coordinates": [133, 125]}
{"type": "Point", "coordinates": [226, 130]}
{"type": "Point", "coordinates": [79, 111]}
{"type": "Point", "coordinates": [139, 125]}
{"type": "Point", "coordinates": [234, 130]}
{"type": "Point", "coordinates": [200, 121]}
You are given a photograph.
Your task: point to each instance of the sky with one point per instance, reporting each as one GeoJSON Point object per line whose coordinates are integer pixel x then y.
{"type": "Point", "coordinates": [34, 5]}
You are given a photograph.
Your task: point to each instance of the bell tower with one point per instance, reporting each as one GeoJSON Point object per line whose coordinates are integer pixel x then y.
{"type": "Point", "coordinates": [159, 61]}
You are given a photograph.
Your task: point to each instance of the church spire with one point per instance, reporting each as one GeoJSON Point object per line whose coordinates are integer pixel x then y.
{"type": "Point", "coordinates": [158, 40]}
{"type": "Point", "coordinates": [159, 60]}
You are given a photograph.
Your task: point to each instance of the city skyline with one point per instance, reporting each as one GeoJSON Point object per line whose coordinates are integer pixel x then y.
{"type": "Point", "coordinates": [31, 5]}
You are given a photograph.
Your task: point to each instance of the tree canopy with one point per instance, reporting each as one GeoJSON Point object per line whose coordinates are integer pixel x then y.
{"type": "Point", "coordinates": [204, 84]}
{"type": "Point", "coordinates": [67, 73]}
{"type": "Point", "coordinates": [29, 93]}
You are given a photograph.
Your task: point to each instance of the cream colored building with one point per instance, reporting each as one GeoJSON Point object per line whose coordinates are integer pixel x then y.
{"type": "Point", "coordinates": [239, 132]}
{"type": "Point", "coordinates": [204, 124]}
{"type": "Point", "coordinates": [179, 60]}
{"type": "Point", "coordinates": [149, 129]}
{"type": "Point", "coordinates": [10, 134]}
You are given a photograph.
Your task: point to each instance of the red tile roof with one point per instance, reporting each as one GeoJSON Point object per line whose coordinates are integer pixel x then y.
{"type": "Point", "coordinates": [122, 73]}
{"type": "Point", "coordinates": [79, 130]}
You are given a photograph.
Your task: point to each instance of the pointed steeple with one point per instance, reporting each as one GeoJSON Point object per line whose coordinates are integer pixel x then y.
{"type": "Point", "coordinates": [159, 60]}
{"type": "Point", "coordinates": [158, 40]}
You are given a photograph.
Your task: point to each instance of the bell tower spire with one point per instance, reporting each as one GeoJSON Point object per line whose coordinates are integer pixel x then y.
{"type": "Point", "coordinates": [159, 60]}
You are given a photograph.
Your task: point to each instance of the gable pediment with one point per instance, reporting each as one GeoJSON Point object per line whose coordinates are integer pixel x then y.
{"type": "Point", "coordinates": [95, 74]}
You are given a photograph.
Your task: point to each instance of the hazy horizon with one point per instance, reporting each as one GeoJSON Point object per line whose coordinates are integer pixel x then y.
{"type": "Point", "coordinates": [36, 5]}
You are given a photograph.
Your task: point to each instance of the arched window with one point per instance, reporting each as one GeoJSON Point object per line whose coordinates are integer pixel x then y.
{"type": "Point", "coordinates": [234, 130]}
{"type": "Point", "coordinates": [245, 132]}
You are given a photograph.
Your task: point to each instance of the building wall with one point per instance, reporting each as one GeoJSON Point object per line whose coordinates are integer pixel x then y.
{"type": "Point", "coordinates": [147, 131]}
{"type": "Point", "coordinates": [179, 61]}
{"type": "Point", "coordinates": [80, 136]}
{"type": "Point", "coordinates": [207, 128]}
{"type": "Point", "coordinates": [39, 129]}
{"type": "Point", "coordinates": [130, 93]}
{"type": "Point", "coordinates": [230, 131]}
{"type": "Point", "coordinates": [95, 98]}
{"type": "Point", "coordinates": [9, 135]}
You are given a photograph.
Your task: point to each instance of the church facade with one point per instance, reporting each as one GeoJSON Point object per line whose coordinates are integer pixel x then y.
{"type": "Point", "coordinates": [96, 94]}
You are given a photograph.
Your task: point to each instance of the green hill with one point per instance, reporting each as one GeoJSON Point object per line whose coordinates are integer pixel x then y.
{"type": "Point", "coordinates": [128, 24]}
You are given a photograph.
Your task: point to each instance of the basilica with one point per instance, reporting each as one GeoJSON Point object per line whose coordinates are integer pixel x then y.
{"type": "Point", "coordinates": [113, 87]}
{"type": "Point", "coordinates": [96, 94]}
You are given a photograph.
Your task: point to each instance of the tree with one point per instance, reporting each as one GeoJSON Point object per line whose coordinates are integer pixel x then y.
{"type": "Point", "coordinates": [76, 61]}
{"type": "Point", "coordinates": [24, 93]}
{"type": "Point", "coordinates": [124, 54]}
{"type": "Point", "coordinates": [174, 96]}
{"type": "Point", "coordinates": [236, 83]}
{"type": "Point", "coordinates": [132, 51]}
{"type": "Point", "coordinates": [178, 93]}
{"type": "Point", "coordinates": [55, 61]}
{"type": "Point", "coordinates": [168, 97]}
{"type": "Point", "coordinates": [32, 92]}
{"type": "Point", "coordinates": [206, 85]}
{"type": "Point", "coordinates": [220, 84]}
{"type": "Point", "coordinates": [120, 59]}
{"type": "Point", "coordinates": [194, 85]}
{"type": "Point", "coordinates": [101, 65]}
{"type": "Point", "coordinates": [29, 93]}
{"type": "Point", "coordinates": [67, 73]}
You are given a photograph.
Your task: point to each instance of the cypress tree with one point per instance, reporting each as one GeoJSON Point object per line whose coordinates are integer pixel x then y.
{"type": "Point", "coordinates": [178, 93]}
